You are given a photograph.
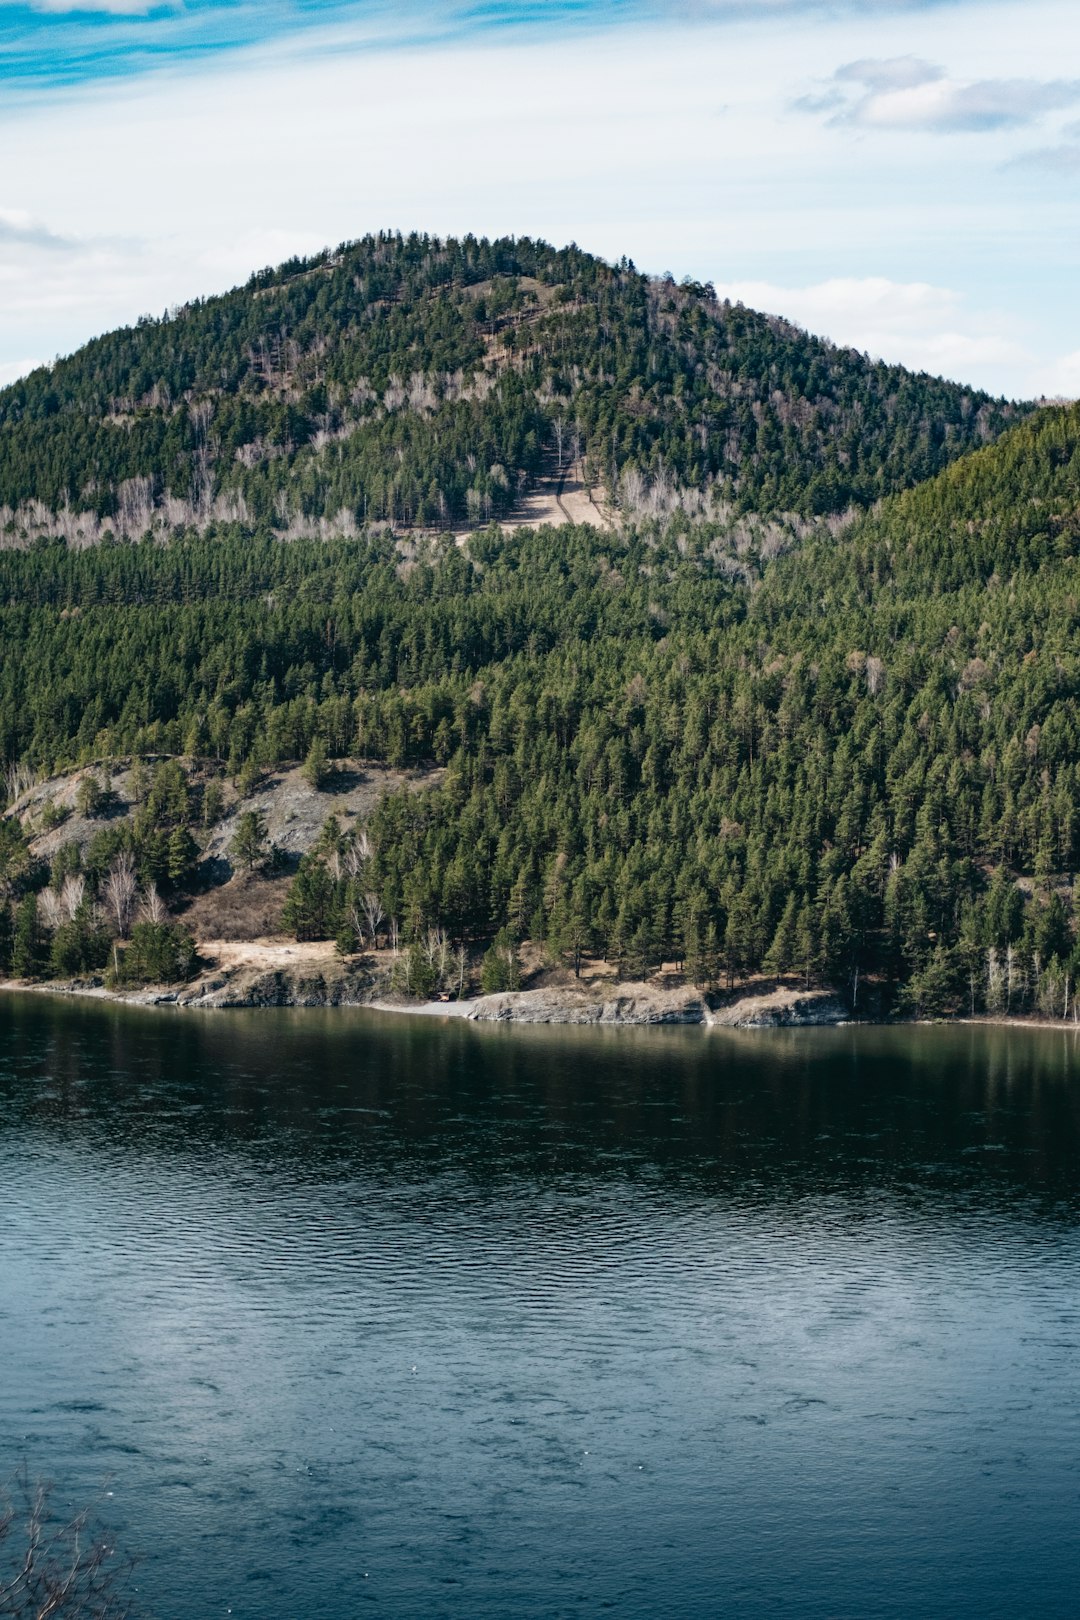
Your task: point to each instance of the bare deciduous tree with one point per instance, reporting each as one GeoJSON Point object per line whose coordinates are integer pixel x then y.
{"type": "Point", "coordinates": [119, 891]}
{"type": "Point", "coordinates": [152, 907]}
{"type": "Point", "coordinates": [50, 911]}
{"type": "Point", "coordinates": [436, 948]}
{"type": "Point", "coordinates": [72, 895]}
{"type": "Point", "coordinates": [357, 854]}
{"type": "Point", "coordinates": [57, 1568]}
{"type": "Point", "coordinates": [373, 916]}
{"type": "Point", "coordinates": [460, 961]}
{"type": "Point", "coordinates": [18, 779]}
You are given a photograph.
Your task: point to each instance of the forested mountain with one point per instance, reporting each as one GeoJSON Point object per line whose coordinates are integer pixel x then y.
{"type": "Point", "coordinates": [858, 761]}
{"type": "Point", "coordinates": [427, 383]}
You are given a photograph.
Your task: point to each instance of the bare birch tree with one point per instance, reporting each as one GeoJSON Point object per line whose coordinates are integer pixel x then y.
{"type": "Point", "coordinates": [152, 907]}
{"type": "Point", "coordinates": [72, 895]}
{"type": "Point", "coordinates": [49, 909]}
{"type": "Point", "coordinates": [436, 948]}
{"type": "Point", "coordinates": [373, 915]}
{"type": "Point", "coordinates": [357, 854]}
{"type": "Point", "coordinates": [460, 961]}
{"type": "Point", "coordinates": [18, 779]}
{"type": "Point", "coordinates": [119, 891]}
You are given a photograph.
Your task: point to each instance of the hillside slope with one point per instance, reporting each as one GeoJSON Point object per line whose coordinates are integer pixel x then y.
{"type": "Point", "coordinates": [857, 762]}
{"type": "Point", "coordinates": [428, 383]}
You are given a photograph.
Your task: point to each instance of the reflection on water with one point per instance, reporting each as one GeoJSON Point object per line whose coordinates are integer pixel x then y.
{"type": "Point", "coordinates": [413, 1318]}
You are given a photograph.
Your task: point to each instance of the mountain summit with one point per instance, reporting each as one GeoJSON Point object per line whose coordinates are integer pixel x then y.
{"type": "Point", "coordinates": [429, 383]}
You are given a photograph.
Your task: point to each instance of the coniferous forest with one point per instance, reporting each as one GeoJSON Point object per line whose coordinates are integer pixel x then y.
{"type": "Point", "coordinates": [807, 706]}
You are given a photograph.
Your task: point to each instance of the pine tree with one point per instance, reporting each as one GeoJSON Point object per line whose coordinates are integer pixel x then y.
{"type": "Point", "coordinates": [316, 765]}
{"type": "Point", "coordinates": [501, 968]}
{"type": "Point", "coordinates": [26, 944]}
{"type": "Point", "coordinates": [783, 952]}
{"type": "Point", "coordinates": [183, 852]}
{"type": "Point", "coordinates": [249, 843]}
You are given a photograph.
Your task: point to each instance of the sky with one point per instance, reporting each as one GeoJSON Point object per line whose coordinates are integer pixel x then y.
{"type": "Point", "coordinates": [898, 175]}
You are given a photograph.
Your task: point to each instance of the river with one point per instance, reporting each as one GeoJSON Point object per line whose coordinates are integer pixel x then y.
{"type": "Point", "coordinates": [338, 1313]}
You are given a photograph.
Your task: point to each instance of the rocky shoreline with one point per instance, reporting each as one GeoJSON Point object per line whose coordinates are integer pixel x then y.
{"type": "Point", "coordinates": [639, 1004]}
{"type": "Point", "coordinates": [328, 983]}
{"type": "Point", "coordinates": [331, 983]}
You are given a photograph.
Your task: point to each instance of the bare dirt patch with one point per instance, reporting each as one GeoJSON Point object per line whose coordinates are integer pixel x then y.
{"type": "Point", "coordinates": [556, 498]}
{"type": "Point", "coordinates": [269, 955]}
{"type": "Point", "coordinates": [57, 796]}
{"type": "Point", "coordinates": [559, 498]}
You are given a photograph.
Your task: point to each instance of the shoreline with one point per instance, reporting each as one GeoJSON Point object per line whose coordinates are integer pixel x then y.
{"type": "Point", "coordinates": [622, 1003]}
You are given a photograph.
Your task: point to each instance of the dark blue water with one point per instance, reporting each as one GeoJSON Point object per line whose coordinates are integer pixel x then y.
{"type": "Point", "coordinates": [357, 1315]}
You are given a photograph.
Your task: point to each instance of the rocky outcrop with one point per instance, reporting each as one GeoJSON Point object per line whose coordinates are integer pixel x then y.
{"type": "Point", "coordinates": [622, 1004]}
{"type": "Point", "coordinates": [644, 1004]}
{"type": "Point", "coordinates": [781, 1007]}
{"type": "Point", "coordinates": [326, 986]}
{"type": "Point", "coordinates": [327, 982]}
{"type": "Point", "coordinates": [323, 985]}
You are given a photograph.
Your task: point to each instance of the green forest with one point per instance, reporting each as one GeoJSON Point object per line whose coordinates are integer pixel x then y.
{"type": "Point", "coordinates": [421, 382]}
{"type": "Point", "coordinates": [851, 759]}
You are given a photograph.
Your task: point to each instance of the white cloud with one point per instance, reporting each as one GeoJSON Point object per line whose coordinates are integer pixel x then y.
{"type": "Point", "coordinates": [675, 146]}
{"type": "Point", "coordinates": [19, 227]}
{"type": "Point", "coordinates": [115, 8]}
{"type": "Point", "coordinates": [12, 370]}
{"type": "Point", "coordinates": [1063, 378]}
{"type": "Point", "coordinates": [912, 323]}
{"type": "Point", "coordinates": [907, 93]}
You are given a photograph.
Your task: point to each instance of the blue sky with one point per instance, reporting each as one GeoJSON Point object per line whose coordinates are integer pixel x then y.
{"type": "Point", "coordinates": [899, 174]}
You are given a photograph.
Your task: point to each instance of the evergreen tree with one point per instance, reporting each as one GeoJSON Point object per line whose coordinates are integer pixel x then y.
{"type": "Point", "coordinates": [249, 843]}
{"type": "Point", "coordinates": [316, 765]}
{"type": "Point", "coordinates": [182, 854]}
{"type": "Point", "coordinates": [26, 953]}
{"type": "Point", "coordinates": [501, 968]}
{"type": "Point", "coordinates": [313, 908]}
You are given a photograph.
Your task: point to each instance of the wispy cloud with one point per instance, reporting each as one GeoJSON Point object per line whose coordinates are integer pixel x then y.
{"type": "Point", "coordinates": [114, 8]}
{"type": "Point", "coordinates": [929, 328]}
{"type": "Point", "coordinates": [61, 42]}
{"type": "Point", "coordinates": [19, 229]}
{"type": "Point", "coordinates": [1064, 377]}
{"type": "Point", "coordinates": [12, 370]}
{"type": "Point", "coordinates": [602, 130]}
{"type": "Point", "coordinates": [910, 94]}
{"type": "Point", "coordinates": [1063, 159]}
{"type": "Point", "coordinates": [766, 8]}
